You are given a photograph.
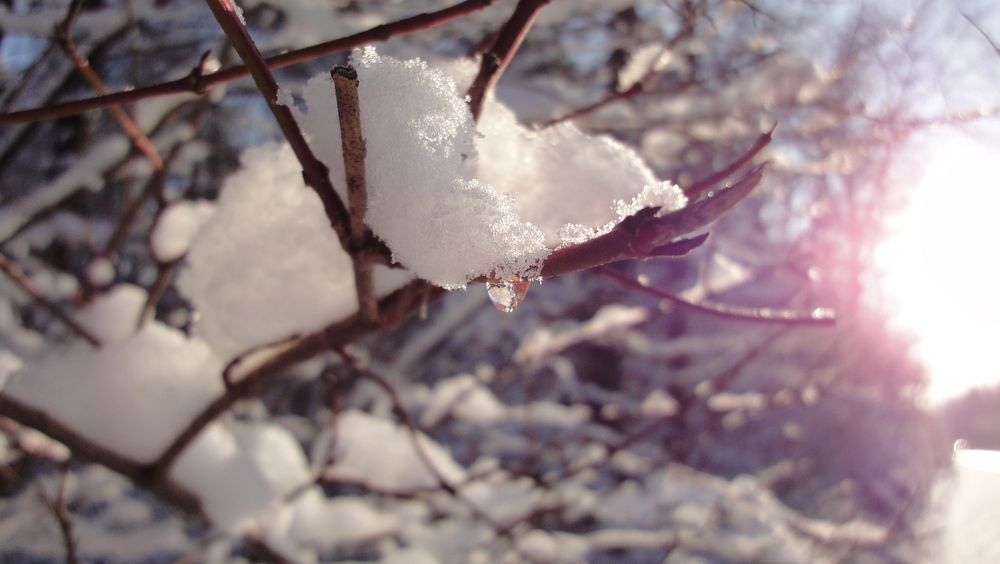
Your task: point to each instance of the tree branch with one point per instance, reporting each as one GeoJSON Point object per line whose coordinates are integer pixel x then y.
{"type": "Point", "coordinates": [314, 172]}
{"type": "Point", "coordinates": [134, 133]}
{"type": "Point", "coordinates": [345, 82]}
{"type": "Point", "coordinates": [93, 452]}
{"type": "Point", "coordinates": [18, 277]}
{"type": "Point", "coordinates": [197, 82]}
{"type": "Point", "coordinates": [645, 235]}
{"type": "Point", "coordinates": [819, 316]}
{"type": "Point", "coordinates": [58, 508]}
{"type": "Point", "coordinates": [508, 40]}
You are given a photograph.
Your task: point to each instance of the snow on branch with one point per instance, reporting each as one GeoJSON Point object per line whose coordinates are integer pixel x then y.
{"type": "Point", "coordinates": [198, 81]}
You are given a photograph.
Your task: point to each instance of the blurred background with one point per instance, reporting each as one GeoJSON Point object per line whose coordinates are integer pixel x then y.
{"type": "Point", "coordinates": [595, 407]}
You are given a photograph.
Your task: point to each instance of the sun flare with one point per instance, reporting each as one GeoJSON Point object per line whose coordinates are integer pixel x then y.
{"type": "Point", "coordinates": [938, 266]}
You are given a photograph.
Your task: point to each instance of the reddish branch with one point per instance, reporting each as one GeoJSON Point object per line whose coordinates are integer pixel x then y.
{"type": "Point", "coordinates": [314, 172]}
{"type": "Point", "coordinates": [699, 187]}
{"type": "Point", "coordinates": [734, 313]}
{"type": "Point", "coordinates": [508, 40]}
{"type": "Point", "coordinates": [690, 17]}
{"type": "Point", "coordinates": [22, 281]}
{"type": "Point", "coordinates": [64, 39]}
{"type": "Point", "coordinates": [345, 82]}
{"type": "Point", "coordinates": [198, 82]}
{"type": "Point", "coordinates": [394, 308]}
{"type": "Point", "coordinates": [644, 235]}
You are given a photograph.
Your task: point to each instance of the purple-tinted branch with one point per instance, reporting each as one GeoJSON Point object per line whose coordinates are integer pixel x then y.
{"type": "Point", "coordinates": [699, 187]}
{"type": "Point", "coordinates": [198, 82]}
{"type": "Point", "coordinates": [819, 316]}
{"type": "Point", "coordinates": [508, 40]}
{"type": "Point", "coordinates": [645, 235]}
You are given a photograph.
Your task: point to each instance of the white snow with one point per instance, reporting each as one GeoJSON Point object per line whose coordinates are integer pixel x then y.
{"type": "Point", "coordinates": [101, 272]}
{"type": "Point", "coordinates": [114, 315]}
{"type": "Point", "coordinates": [240, 471]}
{"type": "Point", "coordinates": [610, 322]}
{"type": "Point", "coordinates": [653, 57]}
{"type": "Point", "coordinates": [177, 227]}
{"type": "Point", "coordinates": [571, 185]}
{"type": "Point", "coordinates": [136, 392]}
{"type": "Point", "coordinates": [329, 524]}
{"type": "Point", "coordinates": [269, 265]}
{"type": "Point", "coordinates": [423, 200]}
{"type": "Point", "coordinates": [658, 404]}
{"type": "Point", "coordinates": [505, 500]}
{"type": "Point", "coordinates": [396, 464]}
{"type": "Point", "coordinates": [454, 201]}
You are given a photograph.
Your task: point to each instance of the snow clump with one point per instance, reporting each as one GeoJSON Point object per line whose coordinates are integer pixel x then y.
{"type": "Point", "coordinates": [453, 202]}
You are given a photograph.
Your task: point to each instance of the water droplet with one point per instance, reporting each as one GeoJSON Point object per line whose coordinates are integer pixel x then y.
{"type": "Point", "coordinates": [506, 295]}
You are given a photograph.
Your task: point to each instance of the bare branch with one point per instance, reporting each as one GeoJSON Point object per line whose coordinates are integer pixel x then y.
{"type": "Point", "coordinates": [979, 28]}
{"type": "Point", "coordinates": [819, 316]}
{"type": "Point", "coordinates": [508, 40]}
{"type": "Point", "coordinates": [197, 82]}
{"type": "Point", "coordinates": [645, 235]}
{"type": "Point", "coordinates": [314, 172]}
{"type": "Point", "coordinates": [394, 308]}
{"type": "Point", "coordinates": [18, 277]}
{"type": "Point", "coordinates": [93, 452]}
{"type": "Point", "coordinates": [58, 508]}
{"type": "Point", "coordinates": [699, 187]}
{"type": "Point", "coordinates": [134, 133]}
{"type": "Point", "coordinates": [345, 81]}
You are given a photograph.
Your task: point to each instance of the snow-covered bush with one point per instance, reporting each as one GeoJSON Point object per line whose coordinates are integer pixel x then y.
{"type": "Point", "coordinates": [224, 340]}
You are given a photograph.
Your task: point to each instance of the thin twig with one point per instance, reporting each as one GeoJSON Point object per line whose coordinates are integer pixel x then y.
{"type": "Point", "coordinates": [394, 307]}
{"type": "Point", "coordinates": [59, 511]}
{"type": "Point", "coordinates": [345, 82]}
{"type": "Point", "coordinates": [496, 60]}
{"type": "Point", "coordinates": [414, 434]}
{"type": "Point", "coordinates": [198, 82]}
{"type": "Point", "coordinates": [86, 449]}
{"type": "Point", "coordinates": [819, 316]}
{"type": "Point", "coordinates": [403, 302]}
{"type": "Point", "coordinates": [979, 28]}
{"type": "Point", "coordinates": [18, 277]}
{"type": "Point", "coordinates": [156, 290]}
{"type": "Point", "coordinates": [314, 172]}
{"type": "Point", "coordinates": [699, 187]}
{"type": "Point", "coordinates": [135, 134]}
{"type": "Point", "coordinates": [628, 93]}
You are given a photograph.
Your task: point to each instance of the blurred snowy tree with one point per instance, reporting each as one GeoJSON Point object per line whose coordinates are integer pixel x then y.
{"type": "Point", "coordinates": [193, 308]}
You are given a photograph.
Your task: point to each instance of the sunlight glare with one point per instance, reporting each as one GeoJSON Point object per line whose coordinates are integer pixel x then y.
{"type": "Point", "coordinates": [938, 267]}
